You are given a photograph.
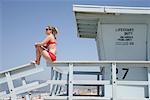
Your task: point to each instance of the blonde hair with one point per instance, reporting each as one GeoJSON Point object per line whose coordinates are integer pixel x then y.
{"type": "Point", "coordinates": [54, 30]}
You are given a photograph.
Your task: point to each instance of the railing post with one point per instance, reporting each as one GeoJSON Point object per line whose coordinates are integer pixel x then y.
{"type": "Point", "coordinates": [114, 84]}
{"type": "Point", "coordinates": [59, 86]}
{"type": "Point", "coordinates": [52, 78]}
{"type": "Point", "coordinates": [11, 86]}
{"type": "Point", "coordinates": [55, 85]}
{"type": "Point", "coordinates": [70, 81]}
{"type": "Point", "coordinates": [148, 82]}
{"type": "Point", "coordinates": [98, 87]}
{"type": "Point", "coordinates": [24, 83]}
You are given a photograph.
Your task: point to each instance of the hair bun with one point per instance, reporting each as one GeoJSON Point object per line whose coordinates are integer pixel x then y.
{"type": "Point", "coordinates": [56, 29]}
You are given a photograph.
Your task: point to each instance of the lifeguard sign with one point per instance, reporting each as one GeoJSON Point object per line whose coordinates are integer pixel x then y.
{"type": "Point", "coordinates": [121, 33]}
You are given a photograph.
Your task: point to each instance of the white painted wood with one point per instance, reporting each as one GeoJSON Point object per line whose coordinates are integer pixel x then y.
{"type": "Point", "coordinates": [2, 93]}
{"type": "Point", "coordinates": [114, 82]}
{"type": "Point", "coordinates": [111, 9]}
{"type": "Point", "coordinates": [128, 98]}
{"type": "Point", "coordinates": [142, 83]}
{"type": "Point", "coordinates": [11, 86]}
{"type": "Point", "coordinates": [148, 70]}
{"type": "Point", "coordinates": [71, 64]}
{"type": "Point", "coordinates": [56, 98]}
{"type": "Point", "coordinates": [26, 87]}
{"type": "Point", "coordinates": [62, 82]}
{"type": "Point", "coordinates": [91, 82]}
{"type": "Point", "coordinates": [70, 81]}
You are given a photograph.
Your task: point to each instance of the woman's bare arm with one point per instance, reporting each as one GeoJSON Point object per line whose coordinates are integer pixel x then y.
{"type": "Point", "coordinates": [44, 41]}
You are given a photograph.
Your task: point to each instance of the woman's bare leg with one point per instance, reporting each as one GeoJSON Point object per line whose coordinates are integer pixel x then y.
{"type": "Point", "coordinates": [40, 51]}
{"type": "Point", "coordinates": [45, 54]}
{"type": "Point", "coordinates": [38, 55]}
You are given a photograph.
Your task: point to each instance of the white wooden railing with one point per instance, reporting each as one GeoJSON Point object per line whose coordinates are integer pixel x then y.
{"type": "Point", "coordinates": [113, 82]}
{"type": "Point", "coordinates": [57, 81]}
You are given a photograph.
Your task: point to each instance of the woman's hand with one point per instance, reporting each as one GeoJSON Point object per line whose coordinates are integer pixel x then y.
{"type": "Point", "coordinates": [37, 44]}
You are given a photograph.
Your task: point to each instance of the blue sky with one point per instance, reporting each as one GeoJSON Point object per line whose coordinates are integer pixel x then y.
{"type": "Point", "coordinates": [22, 23]}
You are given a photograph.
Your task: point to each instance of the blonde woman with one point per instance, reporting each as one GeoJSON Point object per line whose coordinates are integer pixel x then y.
{"type": "Point", "coordinates": [47, 48]}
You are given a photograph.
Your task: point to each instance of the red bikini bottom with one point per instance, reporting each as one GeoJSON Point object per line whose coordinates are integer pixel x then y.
{"type": "Point", "coordinates": [53, 57]}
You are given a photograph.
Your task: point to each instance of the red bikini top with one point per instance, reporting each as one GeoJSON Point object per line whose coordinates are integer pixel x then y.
{"type": "Point", "coordinates": [51, 42]}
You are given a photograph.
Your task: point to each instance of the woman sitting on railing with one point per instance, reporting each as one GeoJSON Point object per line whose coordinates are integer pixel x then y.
{"type": "Point", "coordinates": [47, 48]}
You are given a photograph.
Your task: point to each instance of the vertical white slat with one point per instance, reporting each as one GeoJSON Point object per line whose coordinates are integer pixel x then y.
{"type": "Point", "coordinates": [148, 81]}
{"type": "Point", "coordinates": [114, 85]}
{"type": "Point", "coordinates": [70, 81]}
{"type": "Point", "coordinates": [24, 83]}
{"type": "Point", "coordinates": [55, 85]}
{"type": "Point", "coordinates": [52, 78]}
{"type": "Point", "coordinates": [59, 86]}
{"type": "Point", "coordinates": [11, 86]}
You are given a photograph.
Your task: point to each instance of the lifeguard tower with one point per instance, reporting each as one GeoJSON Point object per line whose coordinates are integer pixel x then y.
{"type": "Point", "coordinates": [121, 34]}
{"type": "Point", "coordinates": [122, 37]}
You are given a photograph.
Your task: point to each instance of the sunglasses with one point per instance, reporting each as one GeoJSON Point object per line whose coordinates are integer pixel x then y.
{"type": "Point", "coordinates": [48, 29]}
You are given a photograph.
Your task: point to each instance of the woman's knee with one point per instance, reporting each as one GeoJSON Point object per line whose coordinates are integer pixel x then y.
{"type": "Point", "coordinates": [37, 47]}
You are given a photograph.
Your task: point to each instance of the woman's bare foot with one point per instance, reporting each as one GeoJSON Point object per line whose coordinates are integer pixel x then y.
{"type": "Point", "coordinates": [35, 62]}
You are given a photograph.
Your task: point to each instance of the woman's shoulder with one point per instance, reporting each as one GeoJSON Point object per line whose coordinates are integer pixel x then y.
{"type": "Point", "coordinates": [50, 36]}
